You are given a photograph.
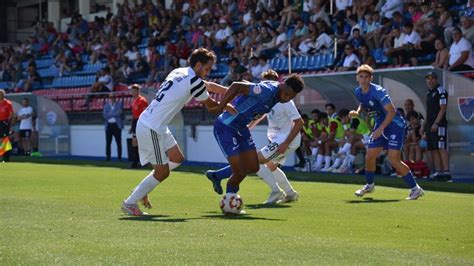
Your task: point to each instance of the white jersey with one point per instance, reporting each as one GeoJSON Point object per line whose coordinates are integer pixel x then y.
{"type": "Point", "coordinates": [280, 122]}
{"type": "Point", "coordinates": [176, 90]}
{"type": "Point", "coordinates": [26, 124]}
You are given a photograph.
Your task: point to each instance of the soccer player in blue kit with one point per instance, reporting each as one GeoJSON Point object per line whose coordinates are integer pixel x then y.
{"type": "Point", "coordinates": [388, 132]}
{"type": "Point", "coordinates": [250, 101]}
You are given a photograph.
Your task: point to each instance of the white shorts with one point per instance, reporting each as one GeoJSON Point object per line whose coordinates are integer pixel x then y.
{"type": "Point", "coordinates": [269, 152]}
{"type": "Point", "coordinates": [152, 146]}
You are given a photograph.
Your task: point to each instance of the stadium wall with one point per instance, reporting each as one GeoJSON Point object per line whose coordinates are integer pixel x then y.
{"type": "Point", "coordinates": [198, 144]}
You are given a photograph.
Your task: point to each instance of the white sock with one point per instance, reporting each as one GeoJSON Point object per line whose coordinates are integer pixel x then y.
{"type": "Point", "coordinates": [173, 165]}
{"type": "Point", "coordinates": [346, 148]}
{"type": "Point", "coordinates": [145, 187]}
{"type": "Point", "coordinates": [314, 151]}
{"type": "Point", "coordinates": [319, 161]}
{"type": "Point", "coordinates": [267, 176]}
{"type": "Point", "coordinates": [327, 161]}
{"type": "Point", "coordinates": [337, 163]}
{"type": "Point", "coordinates": [283, 180]}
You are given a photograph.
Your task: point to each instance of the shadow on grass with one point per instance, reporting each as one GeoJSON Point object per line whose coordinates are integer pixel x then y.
{"type": "Point", "coordinates": [154, 218]}
{"type": "Point", "coordinates": [267, 206]}
{"type": "Point", "coordinates": [371, 200]}
{"type": "Point", "coordinates": [237, 217]}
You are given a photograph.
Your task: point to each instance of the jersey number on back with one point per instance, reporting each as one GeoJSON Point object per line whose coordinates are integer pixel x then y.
{"type": "Point", "coordinates": [164, 87]}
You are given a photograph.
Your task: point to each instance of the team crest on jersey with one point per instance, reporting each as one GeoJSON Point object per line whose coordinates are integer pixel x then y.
{"type": "Point", "coordinates": [393, 136]}
{"type": "Point", "coordinates": [234, 140]}
{"type": "Point", "coordinates": [466, 107]}
{"type": "Point", "coordinates": [371, 103]}
{"type": "Point", "coordinates": [257, 90]}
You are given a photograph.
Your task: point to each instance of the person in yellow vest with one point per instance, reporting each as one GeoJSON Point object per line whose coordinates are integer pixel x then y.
{"type": "Point", "coordinates": [336, 138]}
{"type": "Point", "coordinates": [307, 134]}
{"type": "Point", "coordinates": [357, 138]}
{"type": "Point", "coordinates": [331, 133]}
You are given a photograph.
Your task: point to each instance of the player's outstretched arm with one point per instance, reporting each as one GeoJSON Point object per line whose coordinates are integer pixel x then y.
{"type": "Point", "coordinates": [235, 89]}
{"type": "Point", "coordinates": [215, 88]}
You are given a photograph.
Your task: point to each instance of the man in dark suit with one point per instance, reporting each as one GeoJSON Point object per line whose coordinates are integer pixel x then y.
{"type": "Point", "coordinates": [113, 125]}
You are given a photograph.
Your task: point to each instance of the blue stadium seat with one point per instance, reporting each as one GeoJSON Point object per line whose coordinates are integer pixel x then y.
{"type": "Point", "coordinates": [274, 62]}
{"type": "Point", "coordinates": [329, 60]}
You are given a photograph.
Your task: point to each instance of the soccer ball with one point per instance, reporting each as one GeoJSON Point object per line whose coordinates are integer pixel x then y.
{"type": "Point", "coordinates": [231, 204]}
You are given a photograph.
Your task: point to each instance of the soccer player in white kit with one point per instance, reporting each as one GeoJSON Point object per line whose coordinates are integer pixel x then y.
{"type": "Point", "coordinates": [157, 145]}
{"type": "Point", "coordinates": [283, 133]}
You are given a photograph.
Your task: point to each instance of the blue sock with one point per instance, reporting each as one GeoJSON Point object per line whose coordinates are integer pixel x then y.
{"type": "Point", "coordinates": [223, 173]}
{"type": "Point", "coordinates": [410, 180]}
{"type": "Point", "coordinates": [232, 189]}
{"type": "Point", "coordinates": [369, 176]}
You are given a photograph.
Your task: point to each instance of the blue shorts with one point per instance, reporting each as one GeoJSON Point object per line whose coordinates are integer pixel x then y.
{"type": "Point", "coordinates": [392, 138]}
{"type": "Point", "coordinates": [232, 141]}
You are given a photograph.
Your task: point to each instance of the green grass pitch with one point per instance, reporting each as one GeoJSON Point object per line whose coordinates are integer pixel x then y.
{"type": "Point", "coordinates": [70, 214]}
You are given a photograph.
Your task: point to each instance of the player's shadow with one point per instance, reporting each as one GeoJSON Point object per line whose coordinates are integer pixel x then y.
{"type": "Point", "coordinates": [372, 200]}
{"type": "Point", "coordinates": [267, 206]}
{"type": "Point", "coordinates": [153, 218]}
{"type": "Point", "coordinates": [236, 217]}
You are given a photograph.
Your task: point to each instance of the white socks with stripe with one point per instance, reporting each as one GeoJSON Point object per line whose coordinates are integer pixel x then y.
{"type": "Point", "coordinates": [145, 187]}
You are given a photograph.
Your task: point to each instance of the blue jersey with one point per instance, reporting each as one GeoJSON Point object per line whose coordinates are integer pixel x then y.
{"type": "Point", "coordinates": [260, 100]}
{"type": "Point", "coordinates": [373, 102]}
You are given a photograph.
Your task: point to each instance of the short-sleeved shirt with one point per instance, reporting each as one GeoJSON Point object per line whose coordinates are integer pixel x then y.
{"type": "Point", "coordinates": [280, 122]}
{"type": "Point", "coordinates": [179, 87]}
{"type": "Point", "coordinates": [108, 82]}
{"type": "Point", "coordinates": [374, 101]}
{"type": "Point", "coordinates": [457, 48]}
{"type": "Point", "coordinates": [6, 109]}
{"type": "Point", "coordinates": [27, 123]}
{"type": "Point", "coordinates": [434, 99]}
{"type": "Point", "coordinates": [138, 106]}
{"type": "Point", "coordinates": [260, 100]}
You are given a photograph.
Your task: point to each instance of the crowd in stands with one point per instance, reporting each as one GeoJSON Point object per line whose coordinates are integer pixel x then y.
{"type": "Point", "coordinates": [143, 42]}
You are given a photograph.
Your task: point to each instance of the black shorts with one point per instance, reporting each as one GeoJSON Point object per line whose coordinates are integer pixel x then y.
{"type": "Point", "coordinates": [437, 140]}
{"type": "Point", "coordinates": [25, 133]}
{"type": "Point", "coordinates": [4, 128]}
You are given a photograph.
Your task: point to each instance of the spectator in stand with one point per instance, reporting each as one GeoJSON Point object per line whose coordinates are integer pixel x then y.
{"type": "Point", "coordinates": [264, 65]}
{"type": "Point", "coordinates": [6, 116]}
{"type": "Point", "coordinates": [319, 14]}
{"type": "Point", "coordinates": [366, 57]}
{"type": "Point", "coordinates": [460, 53]}
{"type": "Point", "coordinates": [25, 115]}
{"type": "Point", "coordinates": [412, 13]}
{"type": "Point", "coordinates": [104, 83]}
{"type": "Point", "coordinates": [33, 79]}
{"type": "Point", "coordinates": [140, 69]}
{"type": "Point", "coordinates": [350, 61]}
{"type": "Point", "coordinates": [223, 34]}
{"type": "Point", "coordinates": [233, 74]}
{"type": "Point", "coordinates": [467, 29]}
{"type": "Point", "coordinates": [113, 125]}
{"type": "Point", "coordinates": [404, 52]}
{"type": "Point", "coordinates": [442, 55]}
{"type": "Point", "coordinates": [435, 129]}
{"type": "Point", "coordinates": [356, 39]}
{"type": "Point", "coordinates": [255, 69]}
{"type": "Point", "coordinates": [138, 106]}
{"type": "Point", "coordinates": [77, 63]}
{"type": "Point", "coordinates": [426, 45]}
{"type": "Point", "coordinates": [372, 32]}
{"type": "Point", "coordinates": [390, 7]}
{"type": "Point", "coordinates": [445, 19]}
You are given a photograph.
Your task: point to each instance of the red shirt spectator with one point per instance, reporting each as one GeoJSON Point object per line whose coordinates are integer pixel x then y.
{"type": "Point", "coordinates": [139, 104]}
